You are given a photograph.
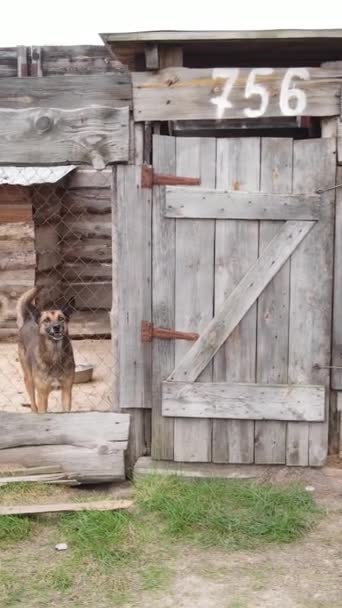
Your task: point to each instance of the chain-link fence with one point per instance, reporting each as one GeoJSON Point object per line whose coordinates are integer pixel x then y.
{"type": "Point", "coordinates": [56, 233]}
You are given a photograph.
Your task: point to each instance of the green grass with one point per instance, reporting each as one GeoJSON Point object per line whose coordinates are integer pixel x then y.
{"type": "Point", "coordinates": [231, 515]}
{"type": "Point", "coordinates": [117, 555]}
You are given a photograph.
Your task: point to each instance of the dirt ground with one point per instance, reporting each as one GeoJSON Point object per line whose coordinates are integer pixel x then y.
{"type": "Point", "coordinates": [95, 395]}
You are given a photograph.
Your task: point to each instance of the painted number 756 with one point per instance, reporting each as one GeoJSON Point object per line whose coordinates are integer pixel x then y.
{"type": "Point", "coordinates": [288, 92]}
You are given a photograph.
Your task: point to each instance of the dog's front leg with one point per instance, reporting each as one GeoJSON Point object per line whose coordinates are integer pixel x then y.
{"type": "Point", "coordinates": [66, 396]}
{"type": "Point", "coordinates": [42, 399]}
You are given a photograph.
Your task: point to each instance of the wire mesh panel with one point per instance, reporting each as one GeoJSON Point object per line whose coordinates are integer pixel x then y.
{"type": "Point", "coordinates": [56, 234]}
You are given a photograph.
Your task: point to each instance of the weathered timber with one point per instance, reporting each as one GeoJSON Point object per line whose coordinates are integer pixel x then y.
{"type": "Point", "coordinates": [243, 401]}
{"type": "Point", "coordinates": [86, 464]}
{"type": "Point", "coordinates": [194, 285]}
{"type": "Point", "coordinates": [89, 178]}
{"type": "Point", "coordinates": [152, 56]}
{"type": "Point", "coordinates": [86, 226]}
{"type": "Point", "coordinates": [91, 200]}
{"type": "Point", "coordinates": [102, 271]}
{"type": "Point", "coordinates": [87, 250]}
{"type": "Point", "coordinates": [96, 135]}
{"type": "Point", "coordinates": [236, 249]}
{"type": "Point", "coordinates": [80, 59]}
{"type": "Point", "coordinates": [47, 247]}
{"type": "Point", "coordinates": [163, 298]}
{"type": "Point", "coordinates": [79, 429]}
{"type": "Point", "coordinates": [178, 93]}
{"type": "Point", "coordinates": [239, 302]}
{"type": "Point", "coordinates": [133, 206]}
{"type": "Point", "coordinates": [273, 304]}
{"type": "Point", "coordinates": [336, 377]}
{"type": "Point", "coordinates": [218, 204]}
{"type": "Point", "coordinates": [90, 295]}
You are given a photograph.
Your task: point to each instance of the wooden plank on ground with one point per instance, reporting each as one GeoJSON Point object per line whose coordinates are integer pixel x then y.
{"type": "Point", "coordinates": [163, 297]}
{"type": "Point", "coordinates": [220, 204]}
{"type": "Point", "coordinates": [134, 284]}
{"type": "Point", "coordinates": [93, 505]}
{"type": "Point", "coordinates": [86, 429]}
{"type": "Point", "coordinates": [96, 464]}
{"type": "Point", "coordinates": [178, 93]}
{"type": "Point", "coordinates": [243, 401]}
{"type": "Point", "coordinates": [194, 287]}
{"type": "Point", "coordinates": [311, 297]}
{"type": "Point", "coordinates": [273, 304]}
{"type": "Point", "coordinates": [240, 301]}
{"type": "Point", "coordinates": [91, 134]}
{"type": "Point", "coordinates": [236, 249]}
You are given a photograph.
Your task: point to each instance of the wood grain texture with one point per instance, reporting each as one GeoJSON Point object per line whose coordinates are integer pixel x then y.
{"type": "Point", "coordinates": [84, 429]}
{"type": "Point", "coordinates": [173, 36]}
{"type": "Point", "coordinates": [219, 204]}
{"type": "Point", "coordinates": [95, 135]}
{"type": "Point", "coordinates": [236, 249]}
{"type": "Point", "coordinates": [92, 505]}
{"type": "Point", "coordinates": [336, 375]}
{"type": "Point", "coordinates": [243, 401]}
{"type": "Point", "coordinates": [243, 297]}
{"type": "Point", "coordinates": [183, 93]}
{"type": "Point", "coordinates": [273, 304]}
{"type": "Point", "coordinates": [339, 142]}
{"type": "Point", "coordinates": [311, 297]}
{"type": "Point", "coordinates": [86, 464]}
{"type": "Point", "coordinates": [163, 297]}
{"type": "Point", "coordinates": [194, 287]}
{"type": "Point", "coordinates": [134, 285]}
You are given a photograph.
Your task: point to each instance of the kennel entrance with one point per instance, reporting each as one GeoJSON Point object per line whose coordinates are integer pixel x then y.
{"type": "Point", "coordinates": [244, 260]}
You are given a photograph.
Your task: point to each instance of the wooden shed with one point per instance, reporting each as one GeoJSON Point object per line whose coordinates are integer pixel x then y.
{"type": "Point", "coordinates": [219, 255]}
{"type": "Point", "coordinates": [230, 321]}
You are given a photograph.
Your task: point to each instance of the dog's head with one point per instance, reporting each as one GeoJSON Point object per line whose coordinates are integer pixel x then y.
{"type": "Point", "coordinates": [54, 323]}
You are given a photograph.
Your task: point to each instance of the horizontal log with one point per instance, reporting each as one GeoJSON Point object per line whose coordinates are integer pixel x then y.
{"type": "Point", "coordinates": [86, 226]}
{"type": "Point", "coordinates": [68, 92]}
{"type": "Point", "coordinates": [89, 178]}
{"type": "Point", "coordinates": [14, 195]}
{"type": "Point", "coordinates": [95, 135]}
{"type": "Point", "coordinates": [243, 401]}
{"type": "Point", "coordinates": [17, 249]}
{"type": "Point", "coordinates": [89, 465]}
{"type": "Point", "coordinates": [8, 62]}
{"type": "Point", "coordinates": [219, 204]}
{"type": "Point", "coordinates": [47, 247]}
{"type": "Point", "coordinates": [87, 250]}
{"type": "Point", "coordinates": [24, 277]}
{"type": "Point", "coordinates": [86, 429]}
{"type": "Point", "coordinates": [187, 94]}
{"type": "Point", "coordinates": [87, 272]}
{"type": "Point", "coordinates": [20, 231]}
{"type": "Point", "coordinates": [83, 59]}
{"type": "Point", "coordinates": [87, 200]}
{"type": "Point", "coordinates": [90, 296]}
{"type": "Point", "coordinates": [15, 213]}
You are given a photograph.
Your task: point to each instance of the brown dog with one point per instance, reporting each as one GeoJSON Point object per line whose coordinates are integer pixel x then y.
{"type": "Point", "coordinates": [45, 351]}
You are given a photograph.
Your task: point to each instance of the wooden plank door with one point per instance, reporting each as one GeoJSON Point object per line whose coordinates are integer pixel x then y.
{"type": "Point", "coordinates": [243, 267]}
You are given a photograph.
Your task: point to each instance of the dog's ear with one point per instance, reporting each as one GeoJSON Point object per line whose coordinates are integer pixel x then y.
{"type": "Point", "coordinates": [69, 308]}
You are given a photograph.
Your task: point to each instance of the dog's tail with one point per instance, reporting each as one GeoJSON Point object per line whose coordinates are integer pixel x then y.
{"type": "Point", "coordinates": [25, 306]}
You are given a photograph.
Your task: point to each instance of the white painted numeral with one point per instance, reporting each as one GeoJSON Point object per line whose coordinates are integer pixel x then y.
{"type": "Point", "coordinates": [257, 89]}
{"type": "Point", "coordinates": [287, 93]}
{"type": "Point", "coordinates": [222, 101]}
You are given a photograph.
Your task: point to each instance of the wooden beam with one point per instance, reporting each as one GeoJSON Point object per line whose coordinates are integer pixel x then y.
{"type": "Point", "coordinates": [339, 142]}
{"type": "Point", "coordinates": [92, 505]}
{"type": "Point", "coordinates": [178, 93]}
{"type": "Point", "coordinates": [240, 301]}
{"type": "Point", "coordinates": [218, 35]}
{"type": "Point", "coordinates": [93, 135]}
{"type": "Point", "coordinates": [69, 92]}
{"type": "Point", "coordinates": [243, 401]}
{"type": "Point", "coordinates": [219, 204]}
{"type": "Point", "coordinates": [80, 429]}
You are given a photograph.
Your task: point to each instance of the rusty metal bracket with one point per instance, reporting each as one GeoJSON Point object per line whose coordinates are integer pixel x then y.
{"type": "Point", "coordinates": [148, 332]}
{"type": "Point", "coordinates": [149, 178]}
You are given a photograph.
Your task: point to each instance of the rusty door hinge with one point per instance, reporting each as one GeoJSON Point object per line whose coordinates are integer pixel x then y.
{"type": "Point", "coordinates": [148, 332]}
{"type": "Point", "coordinates": [149, 178]}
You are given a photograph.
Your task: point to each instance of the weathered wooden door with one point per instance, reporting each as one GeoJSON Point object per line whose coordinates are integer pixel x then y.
{"type": "Point", "coordinates": [245, 259]}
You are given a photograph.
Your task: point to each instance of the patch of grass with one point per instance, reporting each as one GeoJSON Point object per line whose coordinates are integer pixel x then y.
{"type": "Point", "coordinates": [14, 529]}
{"type": "Point", "coordinates": [10, 589]}
{"type": "Point", "coordinates": [228, 514]}
{"type": "Point", "coordinates": [61, 578]}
